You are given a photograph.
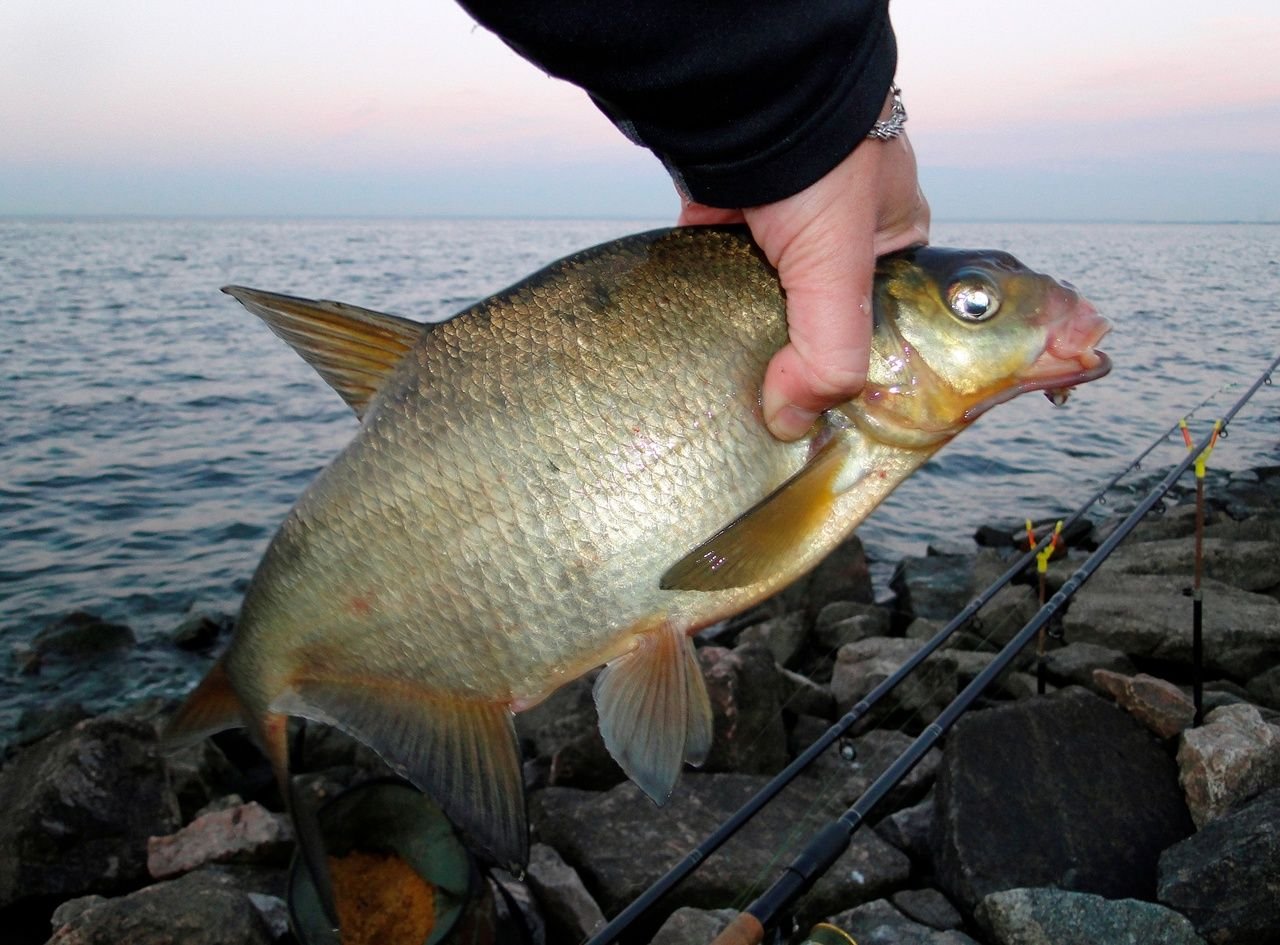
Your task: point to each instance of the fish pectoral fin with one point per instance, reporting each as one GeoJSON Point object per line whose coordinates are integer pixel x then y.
{"type": "Point", "coordinates": [462, 753]}
{"type": "Point", "coordinates": [211, 707]}
{"type": "Point", "coordinates": [654, 711]}
{"type": "Point", "coordinates": [352, 348]}
{"type": "Point", "coordinates": [762, 542]}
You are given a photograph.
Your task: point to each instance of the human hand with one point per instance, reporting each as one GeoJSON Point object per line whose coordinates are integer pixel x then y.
{"type": "Point", "coordinates": [824, 242]}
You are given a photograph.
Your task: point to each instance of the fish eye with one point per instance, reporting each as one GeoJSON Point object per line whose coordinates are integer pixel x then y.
{"type": "Point", "coordinates": [973, 300]}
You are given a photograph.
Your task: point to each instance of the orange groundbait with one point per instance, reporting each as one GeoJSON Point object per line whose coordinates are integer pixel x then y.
{"type": "Point", "coordinates": [381, 900]}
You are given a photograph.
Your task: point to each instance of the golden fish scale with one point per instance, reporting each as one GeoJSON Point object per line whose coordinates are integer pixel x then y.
{"type": "Point", "coordinates": [501, 521]}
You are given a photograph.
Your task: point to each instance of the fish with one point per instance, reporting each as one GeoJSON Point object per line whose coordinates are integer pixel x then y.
{"type": "Point", "coordinates": [574, 473]}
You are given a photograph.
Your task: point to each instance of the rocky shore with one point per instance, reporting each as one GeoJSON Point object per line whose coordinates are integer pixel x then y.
{"type": "Point", "coordinates": [1098, 812]}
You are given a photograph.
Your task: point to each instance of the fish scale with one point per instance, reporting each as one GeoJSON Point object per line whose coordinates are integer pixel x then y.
{"type": "Point", "coordinates": [574, 473]}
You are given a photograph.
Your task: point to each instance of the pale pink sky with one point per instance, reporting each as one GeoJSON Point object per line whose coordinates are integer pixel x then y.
{"type": "Point", "coordinates": [402, 106]}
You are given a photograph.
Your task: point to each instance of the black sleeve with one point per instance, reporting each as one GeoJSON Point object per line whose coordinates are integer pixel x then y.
{"type": "Point", "coordinates": [745, 102]}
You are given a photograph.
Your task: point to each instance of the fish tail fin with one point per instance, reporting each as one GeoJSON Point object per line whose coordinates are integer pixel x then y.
{"type": "Point", "coordinates": [463, 753]}
{"type": "Point", "coordinates": [654, 710]}
{"type": "Point", "coordinates": [212, 707]}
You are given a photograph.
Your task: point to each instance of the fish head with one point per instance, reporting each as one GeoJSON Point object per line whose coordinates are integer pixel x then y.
{"type": "Point", "coordinates": [959, 331]}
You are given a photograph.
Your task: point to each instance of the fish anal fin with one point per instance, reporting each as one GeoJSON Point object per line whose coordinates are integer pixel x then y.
{"type": "Point", "coordinates": [211, 707]}
{"type": "Point", "coordinates": [654, 710]}
{"type": "Point", "coordinates": [461, 752]}
{"type": "Point", "coordinates": [352, 348]}
{"type": "Point", "coordinates": [761, 544]}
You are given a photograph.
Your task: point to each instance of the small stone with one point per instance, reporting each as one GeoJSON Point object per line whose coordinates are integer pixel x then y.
{"type": "Point", "coordinates": [274, 912]}
{"type": "Point", "coordinates": [200, 631]}
{"type": "Point", "coordinates": [783, 636]}
{"type": "Point", "coordinates": [803, 696]}
{"type": "Point", "coordinates": [1047, 916]}
{"type": "Point", "coordinates": [570, 912]}
{"type": "Point", "coordinates": [929, 907]}
{"type": "Point", "coordinates": [844, 622]}
{"type": "Point", "coordinates": [248, 833]}
{"type": "Point", "coordinates": [1073, 664]}
{"type": "Point", "coordinates": [1233, 757]}
{"type": "Point", "coordinates": [1156, 703]}
{"type": "Point", "coordinates": [908, 830]}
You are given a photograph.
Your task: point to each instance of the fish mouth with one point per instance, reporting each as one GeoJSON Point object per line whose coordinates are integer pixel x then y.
{"type": "Point", "coordinates": [1069, 359]}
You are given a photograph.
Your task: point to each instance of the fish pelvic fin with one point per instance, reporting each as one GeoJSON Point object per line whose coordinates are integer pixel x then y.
{"type": "Point", "coordinates": [760, 545]}
{"type": "Point", "coordinates": [463, 753]}
{"type": "Point", "coordinates": [654, 710]}
{"type": "Point", "coordinates": [211, 707]}
{"type": "Point", "coordinates": [352, 348]}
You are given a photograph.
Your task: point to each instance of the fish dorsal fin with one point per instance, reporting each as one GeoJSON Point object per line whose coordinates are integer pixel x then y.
{"type": "Point", "coordinates": [761, 543]}
{"type": "Point", "coordinates": [654, 711]}
{"type": "Point", "coordinates": [463, 753]}
{"type": "Point", "coordinates": [352, 348]}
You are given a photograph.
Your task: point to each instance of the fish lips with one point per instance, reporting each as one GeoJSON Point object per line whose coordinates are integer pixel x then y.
{"type": "Point", "coordinates": [1056, 380]}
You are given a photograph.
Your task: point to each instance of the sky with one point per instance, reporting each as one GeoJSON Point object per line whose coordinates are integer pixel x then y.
{"type": "Point", "coordinates": [1089, 110]}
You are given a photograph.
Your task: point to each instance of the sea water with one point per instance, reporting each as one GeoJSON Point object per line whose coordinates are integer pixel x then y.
{"type": "Point", "coordinates": [153, 434]}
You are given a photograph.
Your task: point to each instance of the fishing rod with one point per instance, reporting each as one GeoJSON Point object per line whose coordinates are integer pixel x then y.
{"type": "Point", "coordinates": [681, 870]}
{"type": "Point", "coordinates": [831, 841]}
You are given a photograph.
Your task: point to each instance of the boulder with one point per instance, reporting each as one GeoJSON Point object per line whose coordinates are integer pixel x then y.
{"type": "Point", "coordinates": [203, 908]}
{"type": "Point", "coordinates": [879, 923]}
{"type": "Point", "coordinates": [619, 842]}
{"type": "Point", "coordinates": [802, 696]}
{"type": "Point", "coordinates": [1225, 877]}
{"type": "Point", "coordinates": [1048, 916]}
{"type": "Point", "coordinates": [1230, 759]}
{"type": "Point", "coordinates": [935, 587]}
{"type": "Point", "coordinates": [746, 704]}
{"type": "Point", "coordinates": [846, 779]}
{"type": "Point", "coordinates": [565, 715]}
{"type": "Point", "coordinates": [78, 809]}
{"type": "Point", "coordinates": [570, 913]}
{"type": "Point", "coordinates": [200, 630]}
{"type": "Point", "coordinates": [245, 833]}
{"type": "Point", "coordinates": [1148, 616]}
{"type": "Point", "coordinates": [689, 926]}
{"type": "Point", "coordinates": [928, 907]}
{"type": "Point", "coordinates": [1064, 790]}
{"type": "Point", "coordinates": [847, 621]}
{"type": "Point", "coordinates": [862, 666]}
{"type": "Point", "coordinates": [784, 637]}
{"type": "Point", "coordinates": [909, 829]}
{"type": "Point", "coordinates": [585, 763]}
{"type": "Point", "coordinates": [1264, 688]}
{"type": "Point", "coordinates": [80, 636]}
{"type": "Point", "coordinates": [1073, 664]}
{"type": "Point", "coordinates": [1157, 703]}
{"type": "Point", "coordinates": [1248, 565]}
{"type": "Point", "coordinates": [1006, 613]}
{"type": "Point", "coordinates": [842, 575]}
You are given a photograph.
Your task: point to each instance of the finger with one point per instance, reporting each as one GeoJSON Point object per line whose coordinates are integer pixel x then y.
{"type": "Point", "coordinates": [698, 214]}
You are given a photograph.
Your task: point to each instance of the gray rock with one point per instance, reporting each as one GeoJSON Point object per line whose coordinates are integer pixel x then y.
{"type": "Point", "coordinates": [1148, 616]}
{"type": "Point", "coordinates": [585, 763]}
{"type": "Point", "coordinates": [1073, 664]}
{"type": "Point", "coordinates": [37, 722]}
{"type": "Point", "coordinates": [1261, 526]}
{"type": "Point", "coordinates": [570, 912]}
{"type": "Point", "coordinates": [846, 779]}
{"type": "Point", "coordinates": [1230, 759]}
{"type": "Point", "coordinates": [1248, 565]}
{"type": "Point", "coordinates": [202, 908]}
{"type": "Point", "coordinates": [200, 630]}
{"type": "Point", "coordinates": [1163, 523]}
{"type": "Point", "coordinates": [1065, 790]}
{"type": "Point", "coordinates": [929, 907]}
{"type": "Point", "coordinates": [846, 621]}
{"type": "Point", "coordinates": [619, 843]}
{"type": "Point", "coordinates": [1157, 703]}
{"type": "Point", "coordinates": [80, 635]}
{"type": "Point", "coordinates": [78, 809]}
{"type": "Point", "coordinates": [879, 923]}
{"type": "Point", "coordinates": [1008, 612]}
{"type": "Point", "coordinates": [862, 666]}
{"type": "Point", "coordinates": [909, 829]}
{"type": "Point", "coordinates": [1264, 688]}
{"type": "Point", "coordinates": [935, 587]}
{"type": "Point", "coordinates": [1225, 877]}
{"type": "Point", "coordinates": [274, 912]}
{"type": "Point", "coordinates": [565, 715]}
{"type": "Point", "coordinates": [746, 704]}
{"type": "Point", "coordinates": [784, 637]}
{"type": "Point", "coordinates": [689, 926]}
{"type": "Point", "coordinates": [803, 696]}
{"type": "Point", "coordinates": [1057, 917]}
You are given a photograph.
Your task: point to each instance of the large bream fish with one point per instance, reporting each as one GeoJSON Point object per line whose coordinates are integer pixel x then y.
{"type": "Point", "coordinates": [574, 472]}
